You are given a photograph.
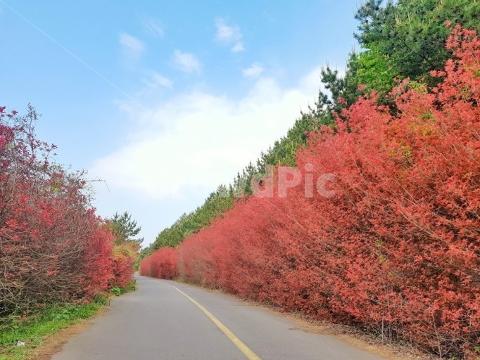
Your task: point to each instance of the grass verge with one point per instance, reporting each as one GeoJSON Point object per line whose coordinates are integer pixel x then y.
{"type": "Point", "coordinates": [20, 337]}
{"type": "Point", "coordinates": [117, 291]}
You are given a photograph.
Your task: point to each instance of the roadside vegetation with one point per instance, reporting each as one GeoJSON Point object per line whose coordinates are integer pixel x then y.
{"type": "Point", "coordinates": [58, 258]}
{"type": "Point", "coordinates": [403, 39]}
{"type": "Point", "coordinates": [20, 337]}
{"type": "Point", "coordinates": [396, 251]}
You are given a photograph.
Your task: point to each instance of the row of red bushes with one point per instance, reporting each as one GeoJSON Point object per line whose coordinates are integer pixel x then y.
{"type": "Point", "coordinates": [53, 248]}
{"type": "Point", "coordinates": [161, 264]}
{"type": "Point", "coordinates": [396, 249]}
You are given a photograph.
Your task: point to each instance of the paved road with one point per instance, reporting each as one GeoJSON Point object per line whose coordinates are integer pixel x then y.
{"type": "Point", "coordinates": [171, 321]}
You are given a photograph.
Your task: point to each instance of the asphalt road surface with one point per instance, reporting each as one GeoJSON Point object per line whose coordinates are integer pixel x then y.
{"type": "Point", "coordinates": [167, 320]}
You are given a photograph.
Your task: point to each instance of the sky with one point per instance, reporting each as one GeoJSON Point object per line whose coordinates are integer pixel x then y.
{"type": "Point", "coordinates": [162, 101]}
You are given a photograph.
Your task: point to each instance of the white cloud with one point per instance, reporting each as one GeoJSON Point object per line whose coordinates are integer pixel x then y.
{"type": "Point", "coordinates": [186, 62]}
{"type": "Point", "coordinates": [131, 45]}
{"type": "Point", "coordinates": [238, 47]}
{"type": "Point", "coordinates": [154, 28]}
{"type": "Point", "coordinates": [157, 80]}
{"type": "Point", "coordinates": [253, 71]}
{"type": "Point", "coordinates": [198, 140]}
{"type": "Point", "coordinates": [229, 35]}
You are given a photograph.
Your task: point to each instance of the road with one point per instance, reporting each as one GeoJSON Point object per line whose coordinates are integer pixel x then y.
{"type": "Point", "coordinates": [172, 321]}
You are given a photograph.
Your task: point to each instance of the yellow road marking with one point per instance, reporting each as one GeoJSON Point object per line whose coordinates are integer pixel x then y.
{"type": "Point", "coordinates": [249, 354]}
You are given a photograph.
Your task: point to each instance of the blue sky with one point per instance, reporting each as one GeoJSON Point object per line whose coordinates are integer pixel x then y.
{"type": "Point", "coordinates": [165, 100]}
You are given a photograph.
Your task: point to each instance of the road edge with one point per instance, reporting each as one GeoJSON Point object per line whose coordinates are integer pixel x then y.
{"type": "Point", "coordinates": [351, 336]}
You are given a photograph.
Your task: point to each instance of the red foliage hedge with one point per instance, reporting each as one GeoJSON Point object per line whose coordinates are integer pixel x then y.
{"type": "Point", "coordinates": [123, 269]}
{"type": "Point", "coordinates": [53, 248]}
{"type": "Point", "coordinates": [397, 249]}
{"type": "Point", "coordinates": [161, 264]}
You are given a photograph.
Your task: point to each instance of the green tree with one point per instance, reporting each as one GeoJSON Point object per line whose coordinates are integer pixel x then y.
{"type": "Point", "coordinates": [399, 40]}
{"type": "Point", "coordinates": [125, 229]}
{"type": "Point", "coordinates": [412, 33]}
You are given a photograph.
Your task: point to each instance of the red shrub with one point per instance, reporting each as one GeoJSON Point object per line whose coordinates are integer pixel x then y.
{"type": "Point", "coordinates": [122, 270]}
{"type": "Point", "coordinates": [161, 264]}
{"type": "Point", "coordinates": [396, 249]}
{"type": "Point", "coordinates": [53, 248]}
{"type": "Point", "coordinates": [101, 269]}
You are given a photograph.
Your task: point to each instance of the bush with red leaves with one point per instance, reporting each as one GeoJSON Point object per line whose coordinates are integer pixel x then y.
{"type": "Point", "coordinates": [397, 249]}
{"type": "Point", "coordinates": [161, 264]}
{"type": "Point", "coordinates": [123, 269]}
{"type": "Point", "coordinates": [53, 248]}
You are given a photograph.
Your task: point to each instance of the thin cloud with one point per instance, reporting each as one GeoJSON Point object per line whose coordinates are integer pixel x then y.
{"type": "Point", "coordinates": [229, 35]}
{"type": "Point", "coordinates": [186, 62]}
{"type": "Point", "coordinates": [132, 46]}
{"type": "Point", "coordinates": [253, 71]}
{"type": "Point", "coordinates": [157, 80]}
{"type": "Point", "coordinates": [238, 47]}
{"type": "Point", "coordinates": [154, 28]}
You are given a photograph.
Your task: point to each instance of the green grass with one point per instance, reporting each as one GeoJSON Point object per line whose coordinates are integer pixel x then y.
{"type": "Point", "coordinates": [34, 329]}
{"type": "Point", "coordinates": [117, 291]}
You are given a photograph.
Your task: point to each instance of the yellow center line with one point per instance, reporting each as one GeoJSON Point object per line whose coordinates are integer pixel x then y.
{"type": "Point", "coordinates": [249, 354]}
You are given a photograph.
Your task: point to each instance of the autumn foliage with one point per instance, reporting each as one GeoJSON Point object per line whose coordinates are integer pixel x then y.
{"type": "Point", "coordinates": [53, 247]}
{"type": "Point", "coordinates": [397, 249]}
{"type": "Point", "coordinates": [161, 264]}
{"type": "Point", "coordinates": [124, 256]}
